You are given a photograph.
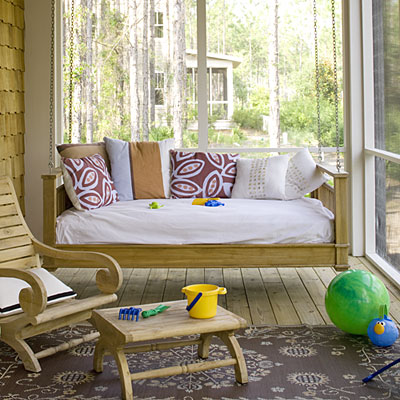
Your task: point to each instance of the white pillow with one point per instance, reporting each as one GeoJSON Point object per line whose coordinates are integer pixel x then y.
{"type": "Point", "coordinates": [260, 178]}
{"type": "Point", "coordinates": [302, 175]}
{"type": "Point", "coordinates": [10, 288]}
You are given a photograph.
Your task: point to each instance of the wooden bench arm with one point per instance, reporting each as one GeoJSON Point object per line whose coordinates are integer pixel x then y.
{"type": "Point", "coordinates": [33, 299]}
{"type": "Point", "coordinates": [332, 172]}
{"type": "Point", "coordinates": [57, 173]}
{"type": "Point", "coordinates": [107, 280]}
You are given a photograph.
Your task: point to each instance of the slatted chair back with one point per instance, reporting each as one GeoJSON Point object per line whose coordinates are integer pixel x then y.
{"type": "Point", "coordinates": [16, 249]}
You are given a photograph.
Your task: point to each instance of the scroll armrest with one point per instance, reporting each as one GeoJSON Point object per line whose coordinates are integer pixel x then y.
{"type": "Point", "coordinates": [107, 280]}
{"type": "Point", "coordinates": [33, 299]}
{"type": "Point", "coordinates": [332, 172]}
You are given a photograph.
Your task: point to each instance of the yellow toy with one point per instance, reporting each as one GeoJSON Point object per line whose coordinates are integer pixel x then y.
{"type": "Point", "coordinates": [201, 201]}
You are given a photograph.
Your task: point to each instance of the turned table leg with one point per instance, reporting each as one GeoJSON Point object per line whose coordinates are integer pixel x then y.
{"type": "Point", "coordinates": [98, 358]}
{"type": "Point", "coordinates": [236, 352]}
{"type": "Point", "coordinates": [204, 347]}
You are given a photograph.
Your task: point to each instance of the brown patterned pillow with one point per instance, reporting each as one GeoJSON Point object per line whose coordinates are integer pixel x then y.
{"type": "Point", "coordinates": [88, 183]}
{"type": "Point", "coordinates": [80, 150]}
{"type": "Point", "coordinates": [202, 174]}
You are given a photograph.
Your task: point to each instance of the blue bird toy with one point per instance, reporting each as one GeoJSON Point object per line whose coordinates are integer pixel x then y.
{"type": "Point", "coordinates": [383, 331]}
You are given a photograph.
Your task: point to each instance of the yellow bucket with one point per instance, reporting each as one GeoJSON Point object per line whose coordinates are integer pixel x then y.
{"type": "Point", "coordinates": [202, 300]}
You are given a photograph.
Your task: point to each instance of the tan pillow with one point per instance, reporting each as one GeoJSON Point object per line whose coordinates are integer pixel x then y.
{"type": "Point", "coordinates": [80, 150]}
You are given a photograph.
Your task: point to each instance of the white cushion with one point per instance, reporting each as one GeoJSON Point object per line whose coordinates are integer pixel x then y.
{"type": "Point", "coordinates": [10, 288]}
{"type": "Point", "coordinates": [260, 178]}
{"type": "Point", "coordinates": [302, 175]}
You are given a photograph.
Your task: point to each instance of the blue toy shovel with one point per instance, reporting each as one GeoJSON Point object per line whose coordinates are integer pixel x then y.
{"type": "Point", "coordinates": [195, 300]}
{"type": "Point", "coordinates": [368, 378]}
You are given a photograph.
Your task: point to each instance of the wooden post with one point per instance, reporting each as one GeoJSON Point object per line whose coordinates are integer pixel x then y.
{"type": "Point", "coordinates": [341, 226]}
{"type": "Point", "coordinates": [49, 209]}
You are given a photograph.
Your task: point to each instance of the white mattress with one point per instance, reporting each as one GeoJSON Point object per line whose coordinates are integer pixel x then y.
{"type": "Point", "coordinates": [179, 222]}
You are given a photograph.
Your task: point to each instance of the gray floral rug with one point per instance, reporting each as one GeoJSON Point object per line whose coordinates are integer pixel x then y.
{"type": "Point", "coordinates": [296, 363]}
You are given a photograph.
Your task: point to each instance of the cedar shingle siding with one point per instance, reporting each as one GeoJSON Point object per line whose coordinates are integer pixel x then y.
{"type": "Point", "coordinates": [12, 124]}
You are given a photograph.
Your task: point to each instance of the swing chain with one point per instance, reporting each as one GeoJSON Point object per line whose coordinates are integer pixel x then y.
{"type": "Point", "coordinates": [338, 166]}
{"type": "Point", "coordinates": [51, 95]}
{"type": "Point", "coordinates": [71, 66]}
{"type": "Point", "coordinates": [317, 86]}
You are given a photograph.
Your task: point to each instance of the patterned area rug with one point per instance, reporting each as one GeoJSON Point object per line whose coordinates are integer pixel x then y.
{"type": "Point", "coordinates": [299, 363]}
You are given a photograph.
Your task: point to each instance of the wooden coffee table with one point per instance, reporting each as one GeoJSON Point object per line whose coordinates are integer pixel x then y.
{"type": "Point", "coordinates": [116, 335]}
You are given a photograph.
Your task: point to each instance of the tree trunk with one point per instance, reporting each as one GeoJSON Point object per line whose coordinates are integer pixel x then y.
{"type": "Point", "coordinates": [273, 60]}
{"type": "Point", "coordinates": [89, 83]}
{"type": "Point", "coordinates": [168, 61]}
{"type": "Point", "coordinates": [77, 85]}
{"type": "Point", "coordinates": [152, 49]}
{"type": "Point", "coordinates": [134, 72]}
{"type": "Point", "coordinates": [179, 80]}
{"type": "Point", "coordinates": [145, 69]}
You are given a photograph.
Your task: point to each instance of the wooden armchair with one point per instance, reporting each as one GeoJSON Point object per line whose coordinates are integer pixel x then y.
{"type": "Point", "coordinates": [19, 253]}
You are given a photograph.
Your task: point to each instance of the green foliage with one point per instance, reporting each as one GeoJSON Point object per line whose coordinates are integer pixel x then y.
{"type": "Point", "coordinates": [299, 119]}
{"type": "Point", "coordinates": [248, 118]}
{"type": "Point", "coordinates": [158, 133]}
{"type": "Point", "coordinates": [259, 100]}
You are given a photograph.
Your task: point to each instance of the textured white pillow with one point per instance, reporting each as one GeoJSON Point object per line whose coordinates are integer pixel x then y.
{"type": "Point", "coordinates": [302, 176]}
{"type": "Point", "coordinates": [260, 178]}
{"type": "Point", "coordinates": [10, 288]}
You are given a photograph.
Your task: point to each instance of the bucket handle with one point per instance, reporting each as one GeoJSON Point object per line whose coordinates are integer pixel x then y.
{"type": "Point", "coordinates": [194, 301]}
{"type": "Point", "coordinates": [222, 290]}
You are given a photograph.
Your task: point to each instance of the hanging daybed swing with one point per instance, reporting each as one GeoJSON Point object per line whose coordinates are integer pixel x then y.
{"type": "Point", "coordinates": [333, 254]}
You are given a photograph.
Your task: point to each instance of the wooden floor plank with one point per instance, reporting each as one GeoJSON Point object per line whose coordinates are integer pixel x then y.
{"type": "Point", "coordinates": [133, 292]}
{"type": "Point", "coordinates": [300, 298]}
{"type": "Point", "coordinates": [260, 308]}
{"type": "Point", "coordinates": [176, 280]}
{"type": "Point", "coordinates": [214, 276]}
{"type": "Point", "coordinates": [325, 275]}
{"type": "Point", "coordinates": [154, 290]}
{"type": "Point", "coordinates": [126, 277]}
{"type": "Point", "coordinates": [66, 274]}
{"type": "Point", "coordinates": [236, 300]}
{"type": "Point", "coordinates": [265, 295]}
{"type": "Point", "coordinates": [284, 311]}
{"type": "Point", "coordinates": [316, 290]}
{"type": "Point", "coordinates": [83, 280]}
{"type": "Point", "coordinates": [194, 276]}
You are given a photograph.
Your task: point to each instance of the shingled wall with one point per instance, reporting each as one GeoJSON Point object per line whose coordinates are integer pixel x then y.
{"type": "Point", "coordinates": [12, 124]}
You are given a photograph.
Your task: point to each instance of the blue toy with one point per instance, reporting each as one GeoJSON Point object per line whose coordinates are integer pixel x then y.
{"type": "Point", "coordinates": [129, 313]}
{"type": "Point", "coordinates": [383, 331]}
{"type": "Point", "coordinates": [213, 203]}
{"type": "Point", "coordinates": [370, 377]}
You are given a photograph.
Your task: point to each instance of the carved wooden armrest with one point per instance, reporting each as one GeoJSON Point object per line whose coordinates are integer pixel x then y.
{"type": "Point", "coordinates": [33, 299]}
{"type": "Point", "coordinates": [332, 172]}
{"type": "Point", "coordinates": [107, 280]}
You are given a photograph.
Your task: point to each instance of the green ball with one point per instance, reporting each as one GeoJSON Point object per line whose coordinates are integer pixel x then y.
{"type": "Point", "coordinates": [354, 298]}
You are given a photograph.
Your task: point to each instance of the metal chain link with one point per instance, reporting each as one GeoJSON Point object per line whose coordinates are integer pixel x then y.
{"type": "Point", "coordinates": [338, 166]}
{"type": "Point", "coordinates": [51, 94]}
{"type": "Point", "coordinates": [317, 87]}
{"type": "Point", "coordinates": [71, 67]}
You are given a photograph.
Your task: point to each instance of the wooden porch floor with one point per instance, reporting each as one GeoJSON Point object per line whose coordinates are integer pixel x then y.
{"type": "Point", "coordinates": [282, 296]}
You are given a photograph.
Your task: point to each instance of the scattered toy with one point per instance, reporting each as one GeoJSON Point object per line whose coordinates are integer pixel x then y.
{"type": "Point", "coordinates": [213, 203]}
{"type": "Point", "coordinates": [154, 205]}
{"type": "Point", "coordinates": [203, 201]}
{"type": "Point", "coordinates": [129, 313]}
{"type": "Point", "coordinates": [154, 311]}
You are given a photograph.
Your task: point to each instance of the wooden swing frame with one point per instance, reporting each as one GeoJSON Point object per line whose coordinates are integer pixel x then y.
{"type": "Point", "coordinates": [333, 254]}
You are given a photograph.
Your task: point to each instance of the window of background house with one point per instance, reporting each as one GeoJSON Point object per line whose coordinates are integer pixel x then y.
{"type": "Point", "coordinates": [159, 24]}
